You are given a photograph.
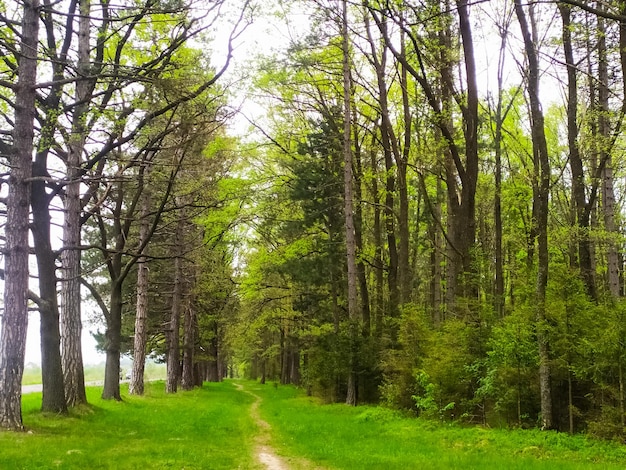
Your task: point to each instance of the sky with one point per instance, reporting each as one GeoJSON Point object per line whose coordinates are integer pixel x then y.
{"type": "Point", "coordinates": [33, 347]}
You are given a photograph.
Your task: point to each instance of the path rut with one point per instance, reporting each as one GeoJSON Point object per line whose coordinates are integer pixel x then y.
{"type": "Point", "coordinates": [263, 451]}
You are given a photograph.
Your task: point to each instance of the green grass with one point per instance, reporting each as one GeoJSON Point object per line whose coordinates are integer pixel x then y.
{"type": "Point", "coordinates": [206, 428]}
{"type": "Point", "coordinates": [211, 428]}
{"type": "Point", "coordinates": [338, 436]}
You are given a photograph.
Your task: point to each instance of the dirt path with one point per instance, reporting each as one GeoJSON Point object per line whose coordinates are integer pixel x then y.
{"type": "Point", "coordinates": [263, 451]}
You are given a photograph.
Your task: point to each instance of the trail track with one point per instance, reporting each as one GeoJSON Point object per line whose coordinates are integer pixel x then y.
{"type": "Point", "coordinates": [263, 451]}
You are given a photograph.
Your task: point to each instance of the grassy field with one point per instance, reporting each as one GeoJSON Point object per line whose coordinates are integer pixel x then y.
{"type": "Point", "coordinates": [208, 428]}
{"type": "Point", "coordinates": [95, 372]}
{"type": "Point", "coordinates": [337, 436]}
{"type": "Point", "coordinates": [211, 428]}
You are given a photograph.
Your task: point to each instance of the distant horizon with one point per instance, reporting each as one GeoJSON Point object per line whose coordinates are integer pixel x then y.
{"type": "Point", "coordinates": [91, 356]}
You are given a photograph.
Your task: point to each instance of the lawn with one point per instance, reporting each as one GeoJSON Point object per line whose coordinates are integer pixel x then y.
{"type": "Point", "coordinates": [206, 428]}
{"type": "Point", "coordinates": [342, 437]}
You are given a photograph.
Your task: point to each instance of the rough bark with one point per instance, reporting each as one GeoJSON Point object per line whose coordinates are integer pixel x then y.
{"type": "Point", "coordinates": [140, 340]}
{"type": "Point", "coordinates": [70, 314]}
{"type": "Point", "coordinates": [15, 317]}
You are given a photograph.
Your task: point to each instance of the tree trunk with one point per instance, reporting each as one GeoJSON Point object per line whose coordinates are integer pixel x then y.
{"type": "Point", "coordinates": [113, 342]}
{"type": "Point", "coordinates": [70, 314]}
{"type": "Point", "coordinates": [436, 250]}
{"type": "Point", "coordinates": [53, 391]}
{"type": "Point", "coordinates": [15, 317]}
{"type": "Point", "coordinates": [405, 277]}
{"type": "Point", "coordinates": [173, 333]}
{"type": "Point", "coordinates": [603, 142]}
{"type": "Point", "coordinates": [576, 164]}
{"type": "Point", "coordinates": [499, 295]}
{"type": "Point", "coordinates": [351, 397]}
{"type": "Point", "coordinates": [466, 231]}
{"type": "Point", "coordinates": [213, 352]}
{"type": "Point", "coordinates": [378, 303]}
{"type": "Point", "coordinates": [189, 340]}
{"type": "Point", "coordinates": [366, 320]}
{"type": "Point", "coordinates": [140, 340]}
{"type": "Point", "coordinates": [541, 158]}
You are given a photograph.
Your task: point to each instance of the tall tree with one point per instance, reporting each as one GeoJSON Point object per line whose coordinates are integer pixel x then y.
{"type": "Point", "coordinates": [575, 159]}
{"type": "Point", "coordinates": [353, 307]}
{"type": "Point", "coordinates": [140, 339]}
{"type": "Point", "coordinates": [541, 198]}
{"type": "Point", "coordinates": [604, 145]}
{"type": "Point", "coordinates": [15, 318]}
{"type": "Point", "coordinates": [70, 314]}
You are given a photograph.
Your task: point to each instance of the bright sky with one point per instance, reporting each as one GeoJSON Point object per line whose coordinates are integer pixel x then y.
{"type": "Point", "coordinates": [33, 346]}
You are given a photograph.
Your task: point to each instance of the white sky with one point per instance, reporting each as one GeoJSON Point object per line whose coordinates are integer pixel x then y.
{"type": "Point", "coordinates": [33, 347]}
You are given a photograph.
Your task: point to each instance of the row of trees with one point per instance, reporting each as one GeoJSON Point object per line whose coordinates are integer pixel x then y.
{"type": "Point", "coordinates": [116, 162]}
{"type": "Point", "coordinates": [472, 206]}
{"type": "Point", "coordinates": [415, 236]}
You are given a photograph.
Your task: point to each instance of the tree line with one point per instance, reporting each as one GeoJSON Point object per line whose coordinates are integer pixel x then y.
{"type": "Point", "coordinates": [115, 163]}
{"type": "Point", "coordinates": [440, 231]}
{"type": "Point", "coordinates": [406, 222]}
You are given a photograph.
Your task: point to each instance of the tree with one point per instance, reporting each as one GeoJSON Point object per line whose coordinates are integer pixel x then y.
{"type": "Point", "coordinates": [149, 104]}
{"type": "Point", "coordinates": [140, 339]}
{"type": "Point", "coordinates": [351, 398]}
{"type": "Point", "coordinates": [70, 314]}
{"type": "Point", "coordinates": [15, 318]}
{"type": "Point", "coordinates": [540, 203]}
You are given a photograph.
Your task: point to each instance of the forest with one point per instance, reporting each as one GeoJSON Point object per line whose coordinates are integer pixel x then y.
{"type": "Point", "coordinates": [417, 204]}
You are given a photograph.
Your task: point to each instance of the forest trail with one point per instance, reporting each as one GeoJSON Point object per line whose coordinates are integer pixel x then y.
{"type": "Point", "coordinates": [264, 452]}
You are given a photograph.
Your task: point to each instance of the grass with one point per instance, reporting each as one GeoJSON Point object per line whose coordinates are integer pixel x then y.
{"type": "Point", "coordinates": [338, 436]}
{"type": "Point", "coordinates": [201, 429]}
{"type": "Point", "coordinates": [211, 428]}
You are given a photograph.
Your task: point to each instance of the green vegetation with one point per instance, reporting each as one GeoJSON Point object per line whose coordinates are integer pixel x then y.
{"type": "Point", "coordinates": [211, 427]}
{"type": "Point", "coordinates": [339, 436]}
{"type": "Point", "coordinates": [204, 428]}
